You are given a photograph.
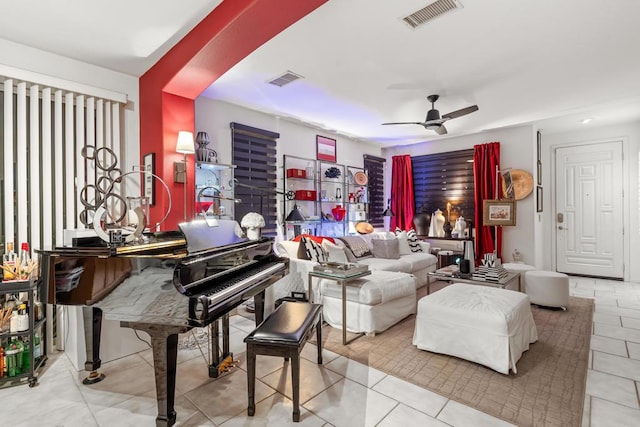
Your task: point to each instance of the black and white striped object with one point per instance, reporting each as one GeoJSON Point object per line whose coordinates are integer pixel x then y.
{"type": "Point", "coordinates": [314, 250]}
{"type": "Point", "coordinates": [414, 242]}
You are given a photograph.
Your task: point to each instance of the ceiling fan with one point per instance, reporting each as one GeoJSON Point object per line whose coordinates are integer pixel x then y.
{"type": "Point", "coordinates": [434, 121]}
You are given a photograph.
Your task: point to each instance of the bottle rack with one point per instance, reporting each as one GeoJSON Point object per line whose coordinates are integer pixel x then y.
{"type": "Point", "coordinates": [36, 356]}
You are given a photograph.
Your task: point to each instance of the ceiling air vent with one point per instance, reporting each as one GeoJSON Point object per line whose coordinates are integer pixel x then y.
{"type": "Point", "coordinates": [431, 11]}
{"type": "Point", "coordinates": [285, 79]}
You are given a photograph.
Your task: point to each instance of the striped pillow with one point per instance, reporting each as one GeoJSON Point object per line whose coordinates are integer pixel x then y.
{"type": "Point", "coordinates": [414, 242]}
{"type": "Point", "coordinates": [313, 250]}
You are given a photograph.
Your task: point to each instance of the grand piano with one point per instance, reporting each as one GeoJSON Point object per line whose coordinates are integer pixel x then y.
{"type": "Point", "coordinates": [165, 285]}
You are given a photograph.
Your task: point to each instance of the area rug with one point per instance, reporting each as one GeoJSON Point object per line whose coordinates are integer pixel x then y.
{"type": "Point", "coordinates": [548, 389]}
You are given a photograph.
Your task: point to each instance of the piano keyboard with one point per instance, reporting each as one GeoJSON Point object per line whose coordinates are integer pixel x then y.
{"type": "Point", "coordinates": [207, 303]}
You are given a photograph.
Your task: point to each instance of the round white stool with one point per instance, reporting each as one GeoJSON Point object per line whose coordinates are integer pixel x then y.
{"type": "Point", "coordinates": [548, 288]}
{"type": "Point", "coordinates": [516, 267]}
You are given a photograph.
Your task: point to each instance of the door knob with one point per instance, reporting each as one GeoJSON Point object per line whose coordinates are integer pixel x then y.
{"type": "Point", "coordinates": [562, 228]}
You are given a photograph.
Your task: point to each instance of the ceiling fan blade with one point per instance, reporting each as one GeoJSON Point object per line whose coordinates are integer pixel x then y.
{"type": "Point", "coordinates": [403, 123]}
{"type": "Point", "coordinates": [441, 130]}
{"type": "Point", "coordinates": [461, 112]}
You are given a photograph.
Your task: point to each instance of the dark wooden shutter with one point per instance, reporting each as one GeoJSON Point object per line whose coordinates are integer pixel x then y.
{"type": "Point", "coordinates": [254, 154]}
{"type": "Point", "coordinates": [375, 171]}
{"type": "Point", "coordinates": [445, 177]}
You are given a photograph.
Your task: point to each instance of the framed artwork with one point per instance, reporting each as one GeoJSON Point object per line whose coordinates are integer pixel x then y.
{"type": "Point", "coordinates": [499, 212]}
{"type": "Point", "coordinates": [149, 186]}
{"type": "Point", "coordinates": [539, 172]}
{"type": "Point", "coordinates": [538, 199]}
{"type": "Point", "coordinates": [325, 149]}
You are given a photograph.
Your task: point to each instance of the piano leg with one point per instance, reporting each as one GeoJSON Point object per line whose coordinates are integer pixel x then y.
{"type": "Point", "coordinates": [164, 343]}
{"type": "Point", "coordinates": [220, 364]}
{"type": "Point", "coordinates": [258, 301]}
{"type": "Point", "coordinates": [92, 317]}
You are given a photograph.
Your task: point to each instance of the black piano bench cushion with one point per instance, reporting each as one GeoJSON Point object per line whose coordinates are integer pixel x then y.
{"type": "Point", "coordinates": [289, 323]}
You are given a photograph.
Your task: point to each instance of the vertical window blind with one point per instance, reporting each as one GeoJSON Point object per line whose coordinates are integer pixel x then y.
{"type": "Point", "coordinates": [45, 131]}
{"type": "Point", "coordinates": [254, 154]}
{"type": "Point", "coordinates": [375, 171]}
{"type": "Point", "coordinates": [444, 178]}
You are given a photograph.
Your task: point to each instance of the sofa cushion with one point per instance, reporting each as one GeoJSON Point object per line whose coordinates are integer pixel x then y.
{"type": "Point", "coordinates": [356, 248]}
{"type": "Point", "coordinates": [382, 264]}
{"type": "Point", "coordinates": [377, 288]}
{"type": "Point", "coordinates": [419, 260]}
{"type": "Point", "coordinates": [287, 248]}
{"type": "Point", "coordinates": [403, 242]}
{"type": "Point", "coordinates": [414, 242]}
{"type": "Point", "coordinates": [313, 250]}
{"type": "Point", "coordinates": [335, 253]}
{"type": "Point", "coordinates": [387, 249]}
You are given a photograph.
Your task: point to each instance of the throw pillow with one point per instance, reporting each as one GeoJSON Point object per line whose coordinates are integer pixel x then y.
{"type": "Point", "coordinates": [335, 253]}
{"type": "Point", "coordinates": [314, 250]}
{"type": "Point", "coordinates": [413, 241]}
{"type": "Point", "coordinates": [318, 239]}
{"type": "Point", "coordinates": [388, 249]}
{"type": "Point", "coordinates": [357, 246]}
{"type": "Point", "coordinates": [403, 243]}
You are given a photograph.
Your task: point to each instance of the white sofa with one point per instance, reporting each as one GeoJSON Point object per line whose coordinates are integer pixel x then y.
{"type": "Point", "coordinates": [375, 302]}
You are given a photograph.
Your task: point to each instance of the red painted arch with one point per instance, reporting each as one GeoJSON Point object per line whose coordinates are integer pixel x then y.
{"type": "Point", "coordinates": [169, 88]}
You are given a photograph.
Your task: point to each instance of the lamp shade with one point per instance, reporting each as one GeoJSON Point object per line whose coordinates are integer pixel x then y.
{"type": "Point", "coordinates": [295, 215]}
{"type": "Point", "coordinates": [185, 143]}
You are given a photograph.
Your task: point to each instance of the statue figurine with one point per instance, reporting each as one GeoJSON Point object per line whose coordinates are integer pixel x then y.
{"type": "Point", "coordinates": [437, 222]}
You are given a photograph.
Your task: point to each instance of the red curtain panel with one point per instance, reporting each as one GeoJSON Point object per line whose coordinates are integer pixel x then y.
{"type": "Point", "coordinates": [402, 201]}
{"type": "Point", "coordinates": [486, 160]}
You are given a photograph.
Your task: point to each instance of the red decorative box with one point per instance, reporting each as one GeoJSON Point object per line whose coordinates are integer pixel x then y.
{"type": "Point", "coordinates": [296, 173]}
{"type": "Point", "coordinates": [306, 195]}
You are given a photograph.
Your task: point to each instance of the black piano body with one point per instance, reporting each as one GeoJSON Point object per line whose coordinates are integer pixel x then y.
{"type": "Point", "coordinates": [169, 284]}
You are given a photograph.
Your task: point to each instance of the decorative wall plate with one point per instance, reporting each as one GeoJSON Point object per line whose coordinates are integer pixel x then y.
{"type": "Point", "coordinates": [361, 178]}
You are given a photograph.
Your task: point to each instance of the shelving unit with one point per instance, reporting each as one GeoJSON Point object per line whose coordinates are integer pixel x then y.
{"type": "Point", "coordinates": [321, 192]}
{"type": "Point", "coordinates": [33, 350]}
{"type": "Point", "coordinates": [301, 188]}
{"type": "Point", "coordinates": [214, 190]}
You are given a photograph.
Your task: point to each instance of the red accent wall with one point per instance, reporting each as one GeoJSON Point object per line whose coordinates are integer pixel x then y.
{"type": "Point", "coordinates": [168, 89]}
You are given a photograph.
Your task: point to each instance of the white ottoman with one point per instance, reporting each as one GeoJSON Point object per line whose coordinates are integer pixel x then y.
{"type": "Point", "coordinates": [516, 267]}
{"type": "Point", "coordinates": [548, 288]}
{"type": "Point", "coordinates": [486, 325]}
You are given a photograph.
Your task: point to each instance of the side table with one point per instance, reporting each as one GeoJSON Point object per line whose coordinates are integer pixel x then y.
{"type": "Point", "coordinates": [342, 278]}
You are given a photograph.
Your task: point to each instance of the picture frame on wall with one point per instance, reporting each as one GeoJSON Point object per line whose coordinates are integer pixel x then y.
{"type": "Point", "coordinates": [326, 149]}
{"type": "Point", "coordinates": [539, 194]}
{"type": "Point", "coordinates": [149, 187]}
{"type": "Point", "coordinates": [539, 173]}
{"type": "Point", "coordinates": [499, 212]}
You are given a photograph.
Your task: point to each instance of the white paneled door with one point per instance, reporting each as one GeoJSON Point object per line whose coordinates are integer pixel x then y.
{"type": "Point", "coordinates": [589, 215]}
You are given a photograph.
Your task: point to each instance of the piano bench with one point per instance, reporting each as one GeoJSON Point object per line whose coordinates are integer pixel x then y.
{"type": "Point", "coordinates": [284, 333]}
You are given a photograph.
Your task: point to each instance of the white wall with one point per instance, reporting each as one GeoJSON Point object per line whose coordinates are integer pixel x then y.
{"type": "Point", "coordinates": [629, 133]}
{"type": "Point", "coordinates": [117, 341]}
{"type": "Point", "coordinates": [295, 139]}
{"type": "Point", "coordinates": [517, 151]}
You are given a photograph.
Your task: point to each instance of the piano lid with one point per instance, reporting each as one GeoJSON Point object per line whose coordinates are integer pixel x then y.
{"type": "Point", "coordinates": [202, 236]}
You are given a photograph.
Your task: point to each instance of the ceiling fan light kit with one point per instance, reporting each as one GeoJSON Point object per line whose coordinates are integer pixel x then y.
{"type": "Point", "coordinates": [433, 121]}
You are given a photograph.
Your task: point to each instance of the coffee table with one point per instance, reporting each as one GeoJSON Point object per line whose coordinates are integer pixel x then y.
{"type": "Point", "coordinates": [502, 283]}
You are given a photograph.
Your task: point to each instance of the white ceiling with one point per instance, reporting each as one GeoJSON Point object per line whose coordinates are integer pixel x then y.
{"type": "Point", "coordinates": [547, 62]}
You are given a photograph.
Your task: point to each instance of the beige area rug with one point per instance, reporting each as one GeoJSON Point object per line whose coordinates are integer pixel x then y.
{"type": "Point", "coordinates": [548, 389]}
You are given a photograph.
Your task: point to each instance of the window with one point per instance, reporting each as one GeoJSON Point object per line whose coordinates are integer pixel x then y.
{"type": "Point", "coordinates": [254, 154]}
{"type": "Point", "coordinates": [439, 179]}
{"type": "Point", "coordinates": [375, 171]}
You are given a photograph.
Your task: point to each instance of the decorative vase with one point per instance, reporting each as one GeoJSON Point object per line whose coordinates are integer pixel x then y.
{"type": "Point", "coordinates": [447, 229]}
{"type": "Point", "coordinates": [421, 221]}
{"type": "Point", "coordinates": [202, 152]}
{"type": "Point", "coordinates": [461, 225]}
{"type": "Point", "coordinates": [470, 255]}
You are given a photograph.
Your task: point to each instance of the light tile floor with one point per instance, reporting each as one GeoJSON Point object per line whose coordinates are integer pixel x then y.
{"type": "Point", "coordinates": [340, 393]}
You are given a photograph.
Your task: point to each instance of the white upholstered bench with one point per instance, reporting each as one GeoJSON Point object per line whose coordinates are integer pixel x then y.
{"type": "Point", "coordinates": [482, 324]}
